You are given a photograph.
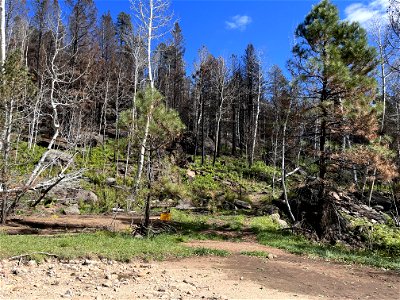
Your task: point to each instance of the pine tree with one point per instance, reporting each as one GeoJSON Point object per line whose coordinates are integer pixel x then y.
{"type": "Point", "coordinates": [335, 65]}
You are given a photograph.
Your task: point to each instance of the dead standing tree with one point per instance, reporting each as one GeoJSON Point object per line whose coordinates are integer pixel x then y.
{"type": "Point", "coordinates": [222, 82]}
{"type": "Point", "coordinates": [57, 75]}
{"type": "Point", "coordinates": [153, 17]}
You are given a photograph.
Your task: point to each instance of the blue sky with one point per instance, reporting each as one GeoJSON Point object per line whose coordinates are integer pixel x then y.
{"type": "Point", "coordinates": [227, 26]}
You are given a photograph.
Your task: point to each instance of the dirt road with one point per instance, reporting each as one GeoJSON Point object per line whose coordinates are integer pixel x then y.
{"type": "Point", "coordinates": [282, 276]}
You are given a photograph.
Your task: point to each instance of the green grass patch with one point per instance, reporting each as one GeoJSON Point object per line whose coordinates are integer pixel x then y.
{"type": "Point", "coordinates": [120, 247]}
{"type": "Point", "coordinates": [210, 252]}
{"type": "Point", "coordinates": [300, 245]}
{"type": "Point", "coordinates": [255, 253]}
{"type": "Point", "coordinates": [99, 245]}
{"type": "Point", "coordinates": [261, 224]}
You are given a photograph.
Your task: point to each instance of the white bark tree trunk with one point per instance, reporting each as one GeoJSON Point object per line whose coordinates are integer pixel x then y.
{"type": "Point", "coordinates": [3, 32]}
{"type": "Point", "coordinates": [256, 117]}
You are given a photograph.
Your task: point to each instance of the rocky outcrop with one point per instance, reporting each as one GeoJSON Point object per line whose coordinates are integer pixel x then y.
{"type": "Point", "coordinates": [72, 195]}
{"type": "Point", "coordinates": [57, 157]}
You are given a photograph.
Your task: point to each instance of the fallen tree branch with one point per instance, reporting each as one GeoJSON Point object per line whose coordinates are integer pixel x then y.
{"type": "Point", "coordinates": [47, 191]}
{"type": "Point", "coordinates": [65, 178]}
{"type": "Point", "coordinates": [290, 173]}
{"type": "Point", "coordinates": [29, 254]}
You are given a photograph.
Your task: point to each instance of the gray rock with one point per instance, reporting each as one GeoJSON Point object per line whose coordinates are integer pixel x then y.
{"type": "Point", "coordinates": [67, 294]}
{"type": "Point", "coordinates": [86, 196]}
{"type": "Point", "coordinates": [110, 181]}
{"type": "Point", "coordinates": [72, 210]}
{"type": "Point", "coordinates": [58, 157]}
{"type": "Point", "coordinates": [185, 205]}
{"type": "Point", "coordinates": [277, 219]}
{"type": "Point", "coordinates": [283, 223]}
{"type": "Point", "coordinates": [88, 262]}
{"type": "Point", "coordinates": [32, 263]}
{"type": "Point", "coordinates": [107, 284]}
{"type": "Point", "coordinates": [15, 271]}
{"type": "Point", "coordinates": [170, 202]}
{"type": "Point", "coordinates": [190, 174]}
{"type": "Point", "coordinates": [67, 195]}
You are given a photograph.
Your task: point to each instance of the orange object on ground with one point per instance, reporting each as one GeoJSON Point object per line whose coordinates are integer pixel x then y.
{"type": "Point", "coordinates": [165, 216]}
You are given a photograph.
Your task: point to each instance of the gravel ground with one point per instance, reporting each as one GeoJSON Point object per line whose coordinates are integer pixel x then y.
{"type": "Point", "coordinates": [281, 276]}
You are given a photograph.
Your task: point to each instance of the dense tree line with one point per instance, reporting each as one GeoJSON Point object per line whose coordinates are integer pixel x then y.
{"type": "Point", "coordinates": [72, 78]}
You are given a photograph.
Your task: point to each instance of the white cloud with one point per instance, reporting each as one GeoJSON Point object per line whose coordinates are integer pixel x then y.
{"type": "Point", "coordinates": [365, 13]}
{"type": "Point", "coordinates": [238, 22]}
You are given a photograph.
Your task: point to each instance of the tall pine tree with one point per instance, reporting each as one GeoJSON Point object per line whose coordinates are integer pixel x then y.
{"type": "Point", "coordinates": [335, 65]}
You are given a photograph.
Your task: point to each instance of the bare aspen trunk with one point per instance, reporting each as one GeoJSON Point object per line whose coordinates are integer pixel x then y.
{"type": "Point", "coordinates": [3, 32]}
{"type": "Point", "coordinates": [35, 119]}
{"type": "Point", "coordinates": [133, 114]}
{"type": "Point", "coordinates": [6, 153]}
{"type": "Point", "coordinates": [254, 141]}
{"type": "Point", "coordinates": [143, 149]}
{"type": "Point", "coordinates": [198, 117]}
{"type": "Point", "coordinates": [202, 134]}
{"type": "Point", "coordinates": [149, 26]}
{"type": "Point", "coordinates": [275, 155]}
{"type": "Point", "coordinates": [217, 132]}
{"type": "Point", "coordinates": [2, 48]}
{"type": "Point", "coordinates": [56, 126]}
{"type": "Point", "coordinates": [103, 117]}
{"type": "Point", "coordinates": [283, 166]}
{"type": "Point", "coordinates": [116, 151]}
{"type": "Point", "coordinates": [220, 107]}
{"type": "Point", "coordinates": [54, 77]}
{"type": "Point", "coordinates": [3, 141]}
{"type": "Point", "coordinates": [152, 19]}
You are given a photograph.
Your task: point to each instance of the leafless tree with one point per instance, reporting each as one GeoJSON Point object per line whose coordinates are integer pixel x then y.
{"type": "Point", "coordinates": [152, 19]}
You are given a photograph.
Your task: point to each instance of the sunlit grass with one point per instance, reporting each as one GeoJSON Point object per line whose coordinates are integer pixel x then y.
{"type": "Point", "coordinates": [189, 226]}
{"type": "Point", "coordinates": [99, 245]}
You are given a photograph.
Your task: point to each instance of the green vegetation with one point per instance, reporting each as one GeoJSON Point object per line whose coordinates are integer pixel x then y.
{"type": "Point", "coordinates": [255, 253]}
{"type": "Point", "coordinates": [300, 245]}
{"type": "Point", "coordinates": [191, 226]}
{"type": "Point", "coordinates": [210, 252]}
{"type": "Point", "coordinates": [228, 180]}
{"type": "Point", "coordinates": [102, 244]}
{"type": "Point", "coordinates": [380, 237]}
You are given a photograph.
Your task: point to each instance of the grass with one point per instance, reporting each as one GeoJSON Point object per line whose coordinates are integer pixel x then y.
{"type": "Point", "coordinates": [116, 246]}
{"type": "Point", "coordinates": [255, 253]}
{"type": "Point", "coordinates": [102, 245]}
{"type": "Point", "coordinates": [210, 252]}
{"type": "Point", "coordinates": [300, 245]}
{"type": "Point", "coordinates": [268, 234]}
{"type": "Point", "coordinates": [190, 226]}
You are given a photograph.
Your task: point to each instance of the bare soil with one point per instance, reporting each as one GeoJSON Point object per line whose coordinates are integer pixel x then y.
{"type": "Point", "coordinates": [237, 276]}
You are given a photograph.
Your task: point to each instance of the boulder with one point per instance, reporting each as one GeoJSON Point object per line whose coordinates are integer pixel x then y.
{"type": "Point", "coordinates": [67, 195]}
{"type": "Point", "coordinates": [277, 219]}
{"type": "Point", "coordinates": [72, 210]}
{"type": "Point", "coordinates": [110, 181]}
{"type": "Point", "coordinates": [190, 174]}
{"type": "Point", "coordinates": [185, 205]}
{"type": "Point", "coordinates": [58, 157]}
{"type": "Point", "coordinates": [86, 196]}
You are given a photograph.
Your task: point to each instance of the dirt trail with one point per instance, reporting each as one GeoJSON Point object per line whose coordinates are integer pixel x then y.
{"type": "Point", "coordinates": [236, 276]}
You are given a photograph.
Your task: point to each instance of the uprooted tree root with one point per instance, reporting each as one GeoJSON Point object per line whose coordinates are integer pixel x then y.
{"type": "Point", "coordinates": [328, 219]}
